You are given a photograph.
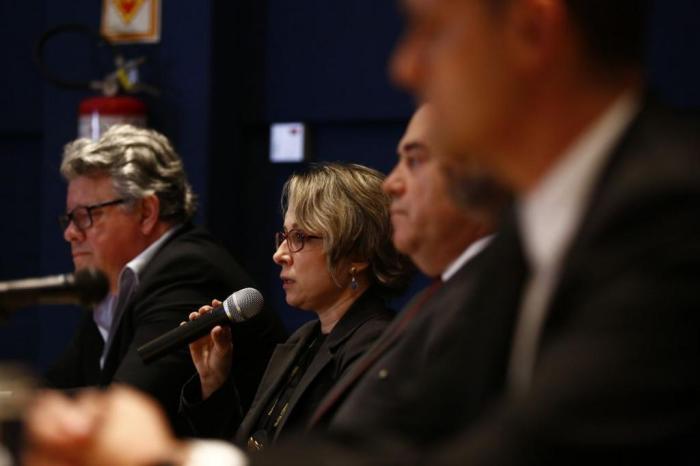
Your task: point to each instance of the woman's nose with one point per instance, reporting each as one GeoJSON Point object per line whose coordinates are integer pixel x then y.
{"type": "Point", "coordinates": [282, 255]}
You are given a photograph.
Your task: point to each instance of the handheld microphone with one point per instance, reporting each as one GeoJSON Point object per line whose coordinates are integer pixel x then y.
{"type": "Point", "coordinates": [86, 286]}
{"type": "Point", "coordinates": [239, 307]}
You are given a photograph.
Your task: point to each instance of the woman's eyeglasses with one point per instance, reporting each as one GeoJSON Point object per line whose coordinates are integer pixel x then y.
{"type": "Point", "coordinates": [295, 239]}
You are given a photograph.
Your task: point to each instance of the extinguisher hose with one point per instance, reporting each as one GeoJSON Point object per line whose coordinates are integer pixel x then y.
{"type": "Point", "coordinates": [55, 78]}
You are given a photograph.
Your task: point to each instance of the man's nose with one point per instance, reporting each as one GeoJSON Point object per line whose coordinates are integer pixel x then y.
{"type": "Point", "coordinates": [72, 233]}
{"type": "Point", "coordinates": [393, 184]}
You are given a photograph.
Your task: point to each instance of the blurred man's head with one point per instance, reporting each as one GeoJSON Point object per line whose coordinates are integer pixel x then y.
{"type": "Point", "coordinates": [429, 226]}
{"type": "Point", "coordinates": [499, 71]}
{"type": "Point", "coordinates": [124, 191]}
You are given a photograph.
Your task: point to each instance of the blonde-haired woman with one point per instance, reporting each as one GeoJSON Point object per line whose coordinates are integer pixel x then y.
{"type": "Point", "coordinates": [337, 260]}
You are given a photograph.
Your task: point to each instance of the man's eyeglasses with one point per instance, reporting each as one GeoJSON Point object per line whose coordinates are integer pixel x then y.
{"type": "Point", "coordinates": [295, 239]}
{"type": "Point", "coordinates": [81, 216]}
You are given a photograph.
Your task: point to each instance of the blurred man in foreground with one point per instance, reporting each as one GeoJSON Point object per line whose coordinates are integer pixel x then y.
{"type": "Point", "coordinates": [598, 342]}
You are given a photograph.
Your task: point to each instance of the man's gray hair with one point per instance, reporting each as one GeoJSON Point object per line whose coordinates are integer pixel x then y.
{"type": "Point", "coordinates": [141, 162]}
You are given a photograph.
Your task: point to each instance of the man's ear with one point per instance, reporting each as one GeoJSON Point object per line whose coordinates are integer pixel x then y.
{"type": "Point", "coordinates": [150, 212]}
{"type": "Point", "coordinates": [536, 30]}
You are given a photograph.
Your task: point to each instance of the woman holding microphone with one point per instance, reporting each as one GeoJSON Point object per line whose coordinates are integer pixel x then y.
{"type": "Point", "coordinates": [336, 260]}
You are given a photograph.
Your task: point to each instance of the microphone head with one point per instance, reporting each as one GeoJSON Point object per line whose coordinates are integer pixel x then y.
{"type": "Point", "coordinates": [91, 285]}
{"type": "Point", "coordinates": [243, 304]}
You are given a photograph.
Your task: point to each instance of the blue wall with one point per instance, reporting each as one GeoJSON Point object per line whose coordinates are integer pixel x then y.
{"type": "Point", "coordinates": [21, 144]}
{"type": "Point", "coordinates": [227, 69]}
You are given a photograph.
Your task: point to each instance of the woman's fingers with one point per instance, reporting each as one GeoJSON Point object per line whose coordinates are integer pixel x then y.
{"type": "Point", "coordinates": [222, 336]}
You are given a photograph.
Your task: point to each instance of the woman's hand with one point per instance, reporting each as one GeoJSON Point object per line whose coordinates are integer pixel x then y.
{"type": "Point", "coordinates": [212, 354]}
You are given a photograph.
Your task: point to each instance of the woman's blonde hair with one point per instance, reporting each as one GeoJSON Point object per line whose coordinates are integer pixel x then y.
{"type": "Point", "coordinates": [346, 205]}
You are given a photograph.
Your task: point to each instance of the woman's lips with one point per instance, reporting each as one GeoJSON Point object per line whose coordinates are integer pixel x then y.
{"type": "Point", "coordinates": [286, 282]}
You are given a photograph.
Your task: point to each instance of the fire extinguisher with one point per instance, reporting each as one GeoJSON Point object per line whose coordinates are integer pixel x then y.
{"type": "Point", "coordinates": [112, 106]}
{"type": "Point", "coordinates": [96, 114]}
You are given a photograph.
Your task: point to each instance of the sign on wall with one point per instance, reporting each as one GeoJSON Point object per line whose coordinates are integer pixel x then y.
{"type": "Point", "coordinates": [131, 21]}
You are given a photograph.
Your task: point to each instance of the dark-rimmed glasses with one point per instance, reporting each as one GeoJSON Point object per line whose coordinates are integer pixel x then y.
{"type": "Point", "coordinates": [295, 239]}
{"type": "Point", "coordinates": [81, 216]}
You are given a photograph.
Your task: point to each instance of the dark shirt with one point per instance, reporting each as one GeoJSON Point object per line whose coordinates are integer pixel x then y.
{"type": "Point", "coordinates": [277, 408]}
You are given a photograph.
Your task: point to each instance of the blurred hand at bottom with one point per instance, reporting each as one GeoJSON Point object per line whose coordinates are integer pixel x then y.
{"type": "Point", "coordinates": [117, 427]}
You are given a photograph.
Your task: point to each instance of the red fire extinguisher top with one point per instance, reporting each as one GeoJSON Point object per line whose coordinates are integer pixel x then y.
{"type": "Point", "coordinates": [116, 105]}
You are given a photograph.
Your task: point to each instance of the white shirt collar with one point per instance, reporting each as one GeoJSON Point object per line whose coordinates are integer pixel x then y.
{"type": "Point", "coordinates": [138, 263]}
{"type": "Point", "coordinates": [550, 214]}
{"type": "Point", "coordinates": [475, 248]}
{"type": "Point", "coordinates": [128, 277]}
{"type": "Point", "coordinates": [549, 218]}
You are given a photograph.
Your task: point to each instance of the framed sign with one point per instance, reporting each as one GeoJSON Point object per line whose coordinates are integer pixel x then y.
{"type": "Point", "coordinates": [131, 21]}
{"type": "Point", "coordinates": [288, 142]}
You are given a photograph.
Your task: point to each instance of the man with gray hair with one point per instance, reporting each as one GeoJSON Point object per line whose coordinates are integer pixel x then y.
{"type": "Point", "coordinates": [129, 213]}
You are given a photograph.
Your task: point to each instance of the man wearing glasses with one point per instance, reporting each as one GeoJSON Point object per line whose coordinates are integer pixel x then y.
{"type": "Point", "coordinates": [129, 209]}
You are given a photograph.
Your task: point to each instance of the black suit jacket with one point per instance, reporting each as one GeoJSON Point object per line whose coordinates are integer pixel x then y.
{"type": "Point", "coordinates": [390, 397]}
{"type": "Point", "coordinates": [189, 270]}
{"type": "Point", "coordinates": [617, 378]}
{"type": "Point", "coordinates": [357, 330]}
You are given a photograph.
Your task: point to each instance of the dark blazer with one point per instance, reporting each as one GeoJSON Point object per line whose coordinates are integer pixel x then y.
{"type": "Point", "coordinates": [185, 273]}
{"type": "Point", "coordinates": [219, 415]}
{"type": "Point", "coordinates": [617, 377]}
{"type": "Point", "coordinates": [389, 396]}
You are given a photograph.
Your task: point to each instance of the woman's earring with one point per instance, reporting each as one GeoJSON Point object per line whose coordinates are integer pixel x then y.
{"type": "Point", "coordinates": [353, 281]}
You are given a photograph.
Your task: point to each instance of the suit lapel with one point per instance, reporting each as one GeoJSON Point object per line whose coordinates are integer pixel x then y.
{"type": "Point", "coordinates": [282, 359]}
{"type": "Point", "coordinates": [114, 352]}
{"type": "Point", "coordinates": [492, 312]}
{"type": "Point", "coordinates": [605, 195]}
{"type": "Point", "coordinates": [388, 338]}
{"type": "Point", "coordinates": [123, 312]}
{"type": "Point", "coordinates": [366, 307]}
{"type": "Point", "coordinates": [320, 361]}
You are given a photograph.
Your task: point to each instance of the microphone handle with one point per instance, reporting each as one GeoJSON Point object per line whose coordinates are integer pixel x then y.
{"type": "Point", "coordinates": [182, 335]}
